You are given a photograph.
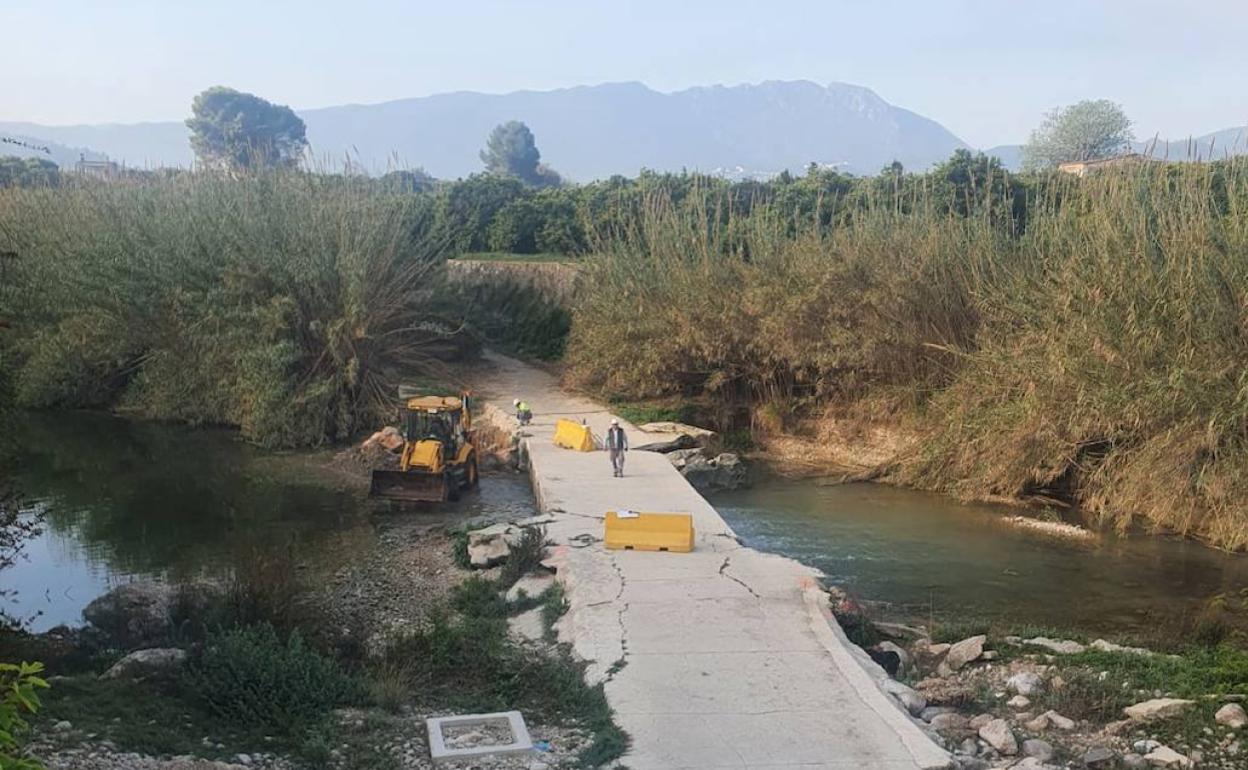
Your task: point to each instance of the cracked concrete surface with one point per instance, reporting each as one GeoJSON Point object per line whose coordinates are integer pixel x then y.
{"type": "Point", "coordinates": [720, 658]}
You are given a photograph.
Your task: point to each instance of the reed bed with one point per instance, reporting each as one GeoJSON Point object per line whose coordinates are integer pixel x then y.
{"type": "Point", "coordinates": [282, 302]}
{"type": "Point", "coordinates": [1095, 356]}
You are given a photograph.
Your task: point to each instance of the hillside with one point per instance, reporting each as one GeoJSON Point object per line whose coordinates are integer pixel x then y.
{"type": "Point", "coordinates": [588, 132]}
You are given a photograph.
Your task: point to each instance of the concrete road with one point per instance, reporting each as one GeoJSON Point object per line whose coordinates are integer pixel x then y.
{"type": "Point", "coordinates": [720, 658]}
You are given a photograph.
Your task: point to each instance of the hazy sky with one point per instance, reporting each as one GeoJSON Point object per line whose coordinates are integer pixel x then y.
{"type": "Point", "coordinates": [986, 69]}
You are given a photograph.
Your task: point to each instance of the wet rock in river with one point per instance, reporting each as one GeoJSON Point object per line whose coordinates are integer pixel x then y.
{"type": "Point", "coordinates": [725, 471]}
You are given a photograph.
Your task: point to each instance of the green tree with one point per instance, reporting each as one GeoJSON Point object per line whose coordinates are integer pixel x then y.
{"type": "Point", "coordinates": [512, 151]}
{"type": "Point", "coordinates": [28, 172]}
{"type": "Point", "coordinates": [231, 129]}
{"type": "Point", "coordinates": [1089, 130]}
{"type": "Point", "coordinates": [18, 697]}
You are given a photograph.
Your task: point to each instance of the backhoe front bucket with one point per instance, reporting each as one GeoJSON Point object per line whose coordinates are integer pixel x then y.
{"type": "Point", "coordinates": [410, 486]}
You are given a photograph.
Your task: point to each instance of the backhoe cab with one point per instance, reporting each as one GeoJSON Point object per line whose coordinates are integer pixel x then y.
{"type": "Point", "coordinates": [439, 455]}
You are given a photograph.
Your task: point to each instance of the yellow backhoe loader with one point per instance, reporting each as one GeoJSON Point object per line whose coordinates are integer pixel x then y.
{"type": "Point", "coordinates": [439, 457]}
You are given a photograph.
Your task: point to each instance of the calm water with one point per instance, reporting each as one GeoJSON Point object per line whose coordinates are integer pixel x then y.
{"type": "Point", "coordinates": [124, 499]}
{"type": "Point", "coordinates": [921, 553]}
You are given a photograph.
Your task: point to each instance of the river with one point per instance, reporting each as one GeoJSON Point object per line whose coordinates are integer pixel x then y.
{"type": "Point", "coordinates": [124, 499]}
{"type": "Point", "coordinates": [920, 555]}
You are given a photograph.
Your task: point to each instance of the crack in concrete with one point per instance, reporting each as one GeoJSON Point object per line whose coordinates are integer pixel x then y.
{"type": "Point", "coordinates": [723, 571]}
{"type": "Point", "coordinates": [621, 661]}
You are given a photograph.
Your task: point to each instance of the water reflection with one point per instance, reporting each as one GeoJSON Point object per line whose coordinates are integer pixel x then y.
{"type": "Point", "coordinates": [125, 499]}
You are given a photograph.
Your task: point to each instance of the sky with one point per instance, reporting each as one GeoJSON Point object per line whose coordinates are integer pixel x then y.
{"type": "Point", "coordinates": [986, 69]}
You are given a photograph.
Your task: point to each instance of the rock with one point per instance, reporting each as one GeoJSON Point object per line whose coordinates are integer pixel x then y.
{"type": "Point", "coordinates": [159, 660]}
{"type": "Point", "coordinates": [531, 586]}
{"type": "Point", "coordinates": [931, 712]}
{"type": "Point", "coordinates": [528, 625]}
{"type": "Point", "coordinates": [702, 436]}
{"type": "Point", "coordinates": [1134, 762]}
{"type": "Point", "coordinates": [1031, 763]}
{"type": "Point", "coordinates": [1145, 746]}
{"type": "Point", "coordinates": [903, 657]}
{"type": "Point", "coordinates": [1059, 721]}
{"type": "Point", "coordinates": [979, 721]}
{"type": "Point", "coordinates": [1041, 750]}
{"type": "Point", "coordinates": [955, 724]}
{"type": "Point", "coordinates": [134, 614]}
{"type": "Point", "coordinates": [971, 763]}
{"type": "Point", "coordinates": [1019, 702]}
{"type": "Point", "coordinates": [242, 759]}
{"type": "Point", "coordinates": [678, 443]}
{"type": "Point", "coordinates": [1104, 646]}
{"type": "Point", "coordinates": [1164, 756]}
{"type": "Point", "coordinates": [887, 660]}
{"type": "Point", "coordinates": [1232, 715]}
{"type": "Point", "coordinates": [989, 655]}
{"type": "Point", "coordinates": [1000, 737]}
{"type": "Point", "coordinates": [1158, 708]}
{"type": "Point", "coordinates": [1025, 683]}
{"type": "Point", "coordinates": [62, 726]}
{"type": "Point", "coordinates": [907, 697]}
{"type": "Point", "coordinates": [722, 472]}
{"type": "Point", "coordinates": [491, 546]}
{"type": "Point", "coordinates": [1059, 646]}
{"type": "Point", "coordinates": [969, 746]}
{"type": "Point", "coordinates": [965, 651]}
{"type": "Point", "coordinates": [1099, 758]}
{"type": "Point", "coordinates": [1037, 725]}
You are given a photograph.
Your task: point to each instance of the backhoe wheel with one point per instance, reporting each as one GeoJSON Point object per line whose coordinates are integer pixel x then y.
{"type": "Point", "coordinates": [472, 476]}
{"type": "Point", "coordinates": [452, 487]}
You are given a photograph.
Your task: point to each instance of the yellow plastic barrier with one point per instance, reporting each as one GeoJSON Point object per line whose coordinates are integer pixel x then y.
{"type": "Point", "coordinates": [573, 435]}
{"type": "Point", "coordinates": [650, 531]}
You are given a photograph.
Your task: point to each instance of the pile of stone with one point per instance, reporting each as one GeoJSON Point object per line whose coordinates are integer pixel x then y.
{"type": "Point", "coordinates": [695, 453]}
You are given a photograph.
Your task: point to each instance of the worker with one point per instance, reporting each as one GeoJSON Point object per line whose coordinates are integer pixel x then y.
{"type": "Point", "coordinates": [617, 445]}
{"type": "Point", "coordinates": [524, 415]}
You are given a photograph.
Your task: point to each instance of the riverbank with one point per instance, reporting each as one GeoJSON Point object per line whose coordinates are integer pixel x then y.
{"type": "Point", "coordinates": [347, 655]}
{"type": "Point", "coordinates": [1036, 698]}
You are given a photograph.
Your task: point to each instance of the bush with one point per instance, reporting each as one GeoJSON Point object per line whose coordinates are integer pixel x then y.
{"type": "Point", "coordinates": [250, 676]}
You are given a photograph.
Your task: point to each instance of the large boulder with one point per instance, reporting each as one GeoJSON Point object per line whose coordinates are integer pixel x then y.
{"type": "Point", "coordinates": [143, 663]}
{"type": "Point", "coordinates": [907, 697]}
{"type": "Point", "coordinates": [134, 614]}
{"type": "Point", "coordinates": [388, 438]}
{"type": "Point", "coordinates": [723, 472]}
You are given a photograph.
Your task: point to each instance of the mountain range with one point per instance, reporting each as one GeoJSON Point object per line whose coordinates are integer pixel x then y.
{"type": "Point", "coordinates": [590, 132]}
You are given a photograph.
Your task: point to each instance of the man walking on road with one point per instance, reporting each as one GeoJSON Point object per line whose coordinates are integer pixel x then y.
{"type": "Point", "coordinates": [617, 445]}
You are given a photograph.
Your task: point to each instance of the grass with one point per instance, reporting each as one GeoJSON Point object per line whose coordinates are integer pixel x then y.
{"type": "Point", "coordinates": [642, 412]}
{"type": "Point", "coordinates": [499, 256]}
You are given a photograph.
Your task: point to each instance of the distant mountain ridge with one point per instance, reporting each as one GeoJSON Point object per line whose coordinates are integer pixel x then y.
{"type": "Point", "coordinates": [587, 132]}
{"type": "Point", "coordinates": [593, 132]}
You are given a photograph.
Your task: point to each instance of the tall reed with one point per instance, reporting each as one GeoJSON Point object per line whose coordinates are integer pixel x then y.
{"type": "Point", "coordinates": [1095, 355]}
{"type": "Point", "coordinates": [282, 302]}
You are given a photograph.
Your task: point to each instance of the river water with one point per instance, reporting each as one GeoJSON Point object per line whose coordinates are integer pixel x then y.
{"type": "Point", "coordinates": [122, 500]}
{"type": "Point", "coordinates": [921, 555]}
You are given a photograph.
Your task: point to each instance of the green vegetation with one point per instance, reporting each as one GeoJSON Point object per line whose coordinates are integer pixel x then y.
{"type": "Point", "coordinates": [250, 677]}
{"type": "Point", "coordinates": [1089, 130]}
{"type": "Point", "coordinates": [234, 130]}
{"type": "Point", "coordinates": [281, 302]}
{"type": "Point", "coordinates": [503, 256]}
{"type": "Point", "coordinates": [1077, 348]}
{"type": "Point", "coordinates": [28, 172]}
{"type": "Point", "coordinates": [19, 685]}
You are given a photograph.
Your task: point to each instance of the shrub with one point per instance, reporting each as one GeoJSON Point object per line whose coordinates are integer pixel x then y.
{"type": "Point", "coordinates": [19, 684]}
{"type": "Point", "coordinates": [250, 676]}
